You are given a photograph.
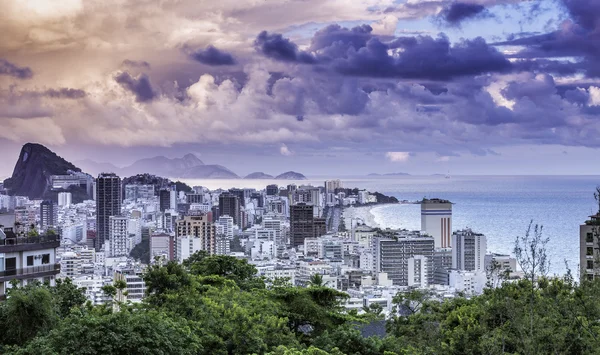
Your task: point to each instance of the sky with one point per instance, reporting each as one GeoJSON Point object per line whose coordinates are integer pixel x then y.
{"type": "Point", "coordinates": [322, 87]}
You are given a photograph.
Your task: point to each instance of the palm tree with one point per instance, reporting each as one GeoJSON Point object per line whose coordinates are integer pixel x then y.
{"type": "Point", "coordinates": [316, 280]}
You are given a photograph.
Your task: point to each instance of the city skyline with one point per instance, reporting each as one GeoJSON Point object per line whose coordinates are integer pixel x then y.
{"type": "Point", "coordinates": [423, 87]}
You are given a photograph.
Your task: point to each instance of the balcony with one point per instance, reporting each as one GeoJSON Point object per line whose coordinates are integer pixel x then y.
{"type": "Point", "coordinates": [16, 244]}
{"type": "Point", "coordinates": [30, 272]}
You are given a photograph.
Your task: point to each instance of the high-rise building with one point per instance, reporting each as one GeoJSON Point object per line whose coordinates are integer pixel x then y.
{"type": "Point", "coordinates": [304, 225]}
{"type": "Point", "coordinates": [436, 221]}
{"type": "Point", "coordinates": [108, 203]}
{"type": "Point", "coordinates": [442, 263]}
{"type": "Point", "coordinates": [167, 199]}
{"type": "Point", "coordinates": [589, 240]}
{"type": "Point", "coordinates": [64, 199]}
{"type": "Point", "coordinates": [194, 233]}
{"type": "Point", "coordinates": [229, 205]}
{"type": "Point", "coordinates": [48, 215]}
{"type": "Point", "coordinates": [331, 185]}
{"type": "Point", "coordinates": [272, 190]}
{"type": "Point", "coordinates": [194, 198]}
{"type": "Point", "coordinates": [241, 195]}
{"type": "Point", "coordinates": [407, 259]}
{"type": "Point", "coordinates": [224, 226]}
{"type": "Point", "coordinates": [120, 241]}
{"type": "Point", "coordinates": [468, 250]}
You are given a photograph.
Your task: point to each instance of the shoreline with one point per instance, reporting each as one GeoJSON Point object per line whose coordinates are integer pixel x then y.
{"type": "Point", "coordinates": [362, 213]}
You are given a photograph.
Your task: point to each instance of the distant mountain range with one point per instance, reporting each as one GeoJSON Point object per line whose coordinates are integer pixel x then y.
{"type": "Point", "coordinates": [389, 174]}
{"type": "Point", "coordinates": [36, 164]}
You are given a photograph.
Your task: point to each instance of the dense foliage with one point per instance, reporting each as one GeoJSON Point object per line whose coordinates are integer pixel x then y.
{"type": "Point", "coordinates": [157, 181]}
{"type": "Point", "coordinates": [217, 305]}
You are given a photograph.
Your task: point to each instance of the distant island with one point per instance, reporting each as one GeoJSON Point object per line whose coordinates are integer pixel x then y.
{"type": "Point", "coordinates": [290, 175]}
{"type": "Point", "coordinates": [258, 175]}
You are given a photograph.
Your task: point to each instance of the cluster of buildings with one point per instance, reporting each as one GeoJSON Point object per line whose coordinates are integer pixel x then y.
{"type": "Point", "coordinates": [290, 232]}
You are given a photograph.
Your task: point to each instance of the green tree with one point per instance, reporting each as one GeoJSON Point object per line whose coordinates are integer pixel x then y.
{"type": "Point", "coordinates": [125, 332]}
{"type": "Point", "coordinates": [67, 296]}
{"type": "Point", "coordinates": [229, 267]}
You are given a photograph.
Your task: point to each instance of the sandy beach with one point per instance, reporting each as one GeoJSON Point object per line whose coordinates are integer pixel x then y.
{"type": "Point", "coordinates": [362, 214]}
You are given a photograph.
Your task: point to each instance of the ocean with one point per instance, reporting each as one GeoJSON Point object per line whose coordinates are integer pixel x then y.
{"type": "Point", "coordinates": [498, 206]}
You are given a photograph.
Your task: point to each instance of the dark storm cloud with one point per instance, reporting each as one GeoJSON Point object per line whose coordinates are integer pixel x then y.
{"type": "Point", "coordinates": [578, 38]}
{"type": "Point", "coordinates": [275, 46]}
{"type": "Point", "coordinates": [428, 58]}
{"type": "Point", "coordinates": [356, 52]}
{"type": "Point", "coordinates": [459, 11]}
{"type": "Point", "coordinates": [212, 56]}
{"type": "Point", "coordinates": [10, 69]}
{"type": "Point", "coordinates": [65, 93]}
{"type": "Point", "coordinates": [136, 64]}
{"type": "Point", "coordinates": [140, 86]}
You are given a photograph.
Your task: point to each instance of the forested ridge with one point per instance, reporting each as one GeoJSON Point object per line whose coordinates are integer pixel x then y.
{"type": "Point", "coordinates": [217, 305]}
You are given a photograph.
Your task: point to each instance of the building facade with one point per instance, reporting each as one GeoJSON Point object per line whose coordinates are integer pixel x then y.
{"type": "Point", "coordinates": [108, 203]}
{"type": "Point", "coordinates": [436, 221]}
{"type": "Point", "coordinates": [468, 250]}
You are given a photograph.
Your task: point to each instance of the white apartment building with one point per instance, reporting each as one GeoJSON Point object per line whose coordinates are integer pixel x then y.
{"type": "Point", "coordinates": [70, 265]}
{"type": "Point", "coordinates": [27, 259]}
{"type": "Point", "coordinates": [468, 250]}
{"type": "Point", "coordinates": [64, 199]}
{"type": "Point", "coordinates": [469, 282]}
{"type": "Point", "coordinates": [93, 287]}
{"type": "Point", "coordinates": [120, 241]}
{"type": "Point", "coordinates": [436, 221]}
{"type": "Point", "coordinates": [225, 226]}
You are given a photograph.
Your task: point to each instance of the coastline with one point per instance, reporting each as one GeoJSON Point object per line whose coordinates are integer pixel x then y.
{"type": "Point", "coordinates": [362, 213]}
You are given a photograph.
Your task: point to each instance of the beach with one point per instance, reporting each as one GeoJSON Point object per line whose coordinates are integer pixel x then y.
{"type": "Point", "coordinates": [362, 214]}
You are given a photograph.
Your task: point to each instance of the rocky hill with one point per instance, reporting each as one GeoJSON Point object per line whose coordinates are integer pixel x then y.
{"type": "Point", "coordinates": [290, 175]}
{"type": "Point", "coordinates": [258, 175]}
{"type": "Point", "coordinates": [31, 176]}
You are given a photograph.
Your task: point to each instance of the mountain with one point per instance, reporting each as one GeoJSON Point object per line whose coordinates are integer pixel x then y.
{"type": "Point", "coordinates": [290, 175]}
{"type": "Point", "coordinates": [94, 168]}
{"type": "Point", "coordinates": [31, 176]}
{"type": "Point", "coordinates": [163, 166]}
{"type": "Point", "coordinates": [258, 175]}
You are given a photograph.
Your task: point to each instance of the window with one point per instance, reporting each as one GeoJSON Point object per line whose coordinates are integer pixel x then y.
{"type": "Point", "coordinates": [45, 259]}
{"type": "Point", "coordinates": [590, 264]}
{"type": "Point", "coordinates": [30, 260]}
{"type": "Point", "coordinates": [589, 251]}
{"type": "Point", "coordinates": [589, 238]}
{"type": "Point", "coordinates": [11, 263]}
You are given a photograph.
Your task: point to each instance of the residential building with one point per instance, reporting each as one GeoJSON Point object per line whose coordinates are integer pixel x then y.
{"type": "Point", "coordinates": [589, 247]}
{"type": "Point", "coordinates": [120, 241]}
{"type": "Point", "coordinates": [229, 205]}
{"type": "Point", "coordinates": [224, 226]}
{"type": "Point", "coordinates": [64, 199]}
{"type": "Point", "coordinates": [48, 215]}
{"type": "Point", "coordinates": [27, 258]}
{"type": "Point", "coordinates": [332, 185]}
{"type": "Point", "coordinates": [195, 233]}
{"type": "Point", "coordinates": [71, 264]}
{"type": "Point", "coordinates": [436, 221]}
{"type": "Point", "coordinates": [442, 263]}
{"type": "Point", "coordinates": [162, 245]}
{"type": "Point", "coordinates": [468, 250]}
{"type": "Point", "coordinates": [108, 203]}
{"type": "Point", "coordinates": [272, 190]}
{"type": "Point", "coordinates": [394, 255]}
{"type": "Point", "coordinates": [301, 223]}
{"type": "Point", "coordinates": [134, 192]}
{"type": "Point", "coordinates": [135, 290]}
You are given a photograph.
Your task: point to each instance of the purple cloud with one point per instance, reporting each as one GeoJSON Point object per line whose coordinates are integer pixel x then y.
{"type": "Point", "coordinates": [10, 69]}
{"type": "Point", "coordinates": [136, 64]}
{"type": "Point", "coordinates": [460, 11]}
{"type": "Point", "coordinates": [275, 46]}
{"type": "Point", "coordinates": [65, 93]}
{"type": "Point", "coordinates": [212, 56]}
{"type": "Point", "coordinates": [140, 86]}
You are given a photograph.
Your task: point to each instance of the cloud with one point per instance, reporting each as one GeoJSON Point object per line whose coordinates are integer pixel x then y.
{"type": "Point", "coordinates": [140, 86]}
{"type": "Point", "coordinates": [275, 46]}
{"type": "Point", "coordinates": [457, 12]}
{"type": "Point", "coordinates": [285, 151]}
{"type": "Point", "coordinates": [212, 56]}
{"type": "Point", "coordinates": [65, 93]}
{"type": "Point", "coordinates": [136, 64]}
{"type": "Point", "coordinates": [398, 157]}
{"type": "Point", "coordinates": [10, 69]}
{"type": "Point", "coordinates": [443, 158]}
